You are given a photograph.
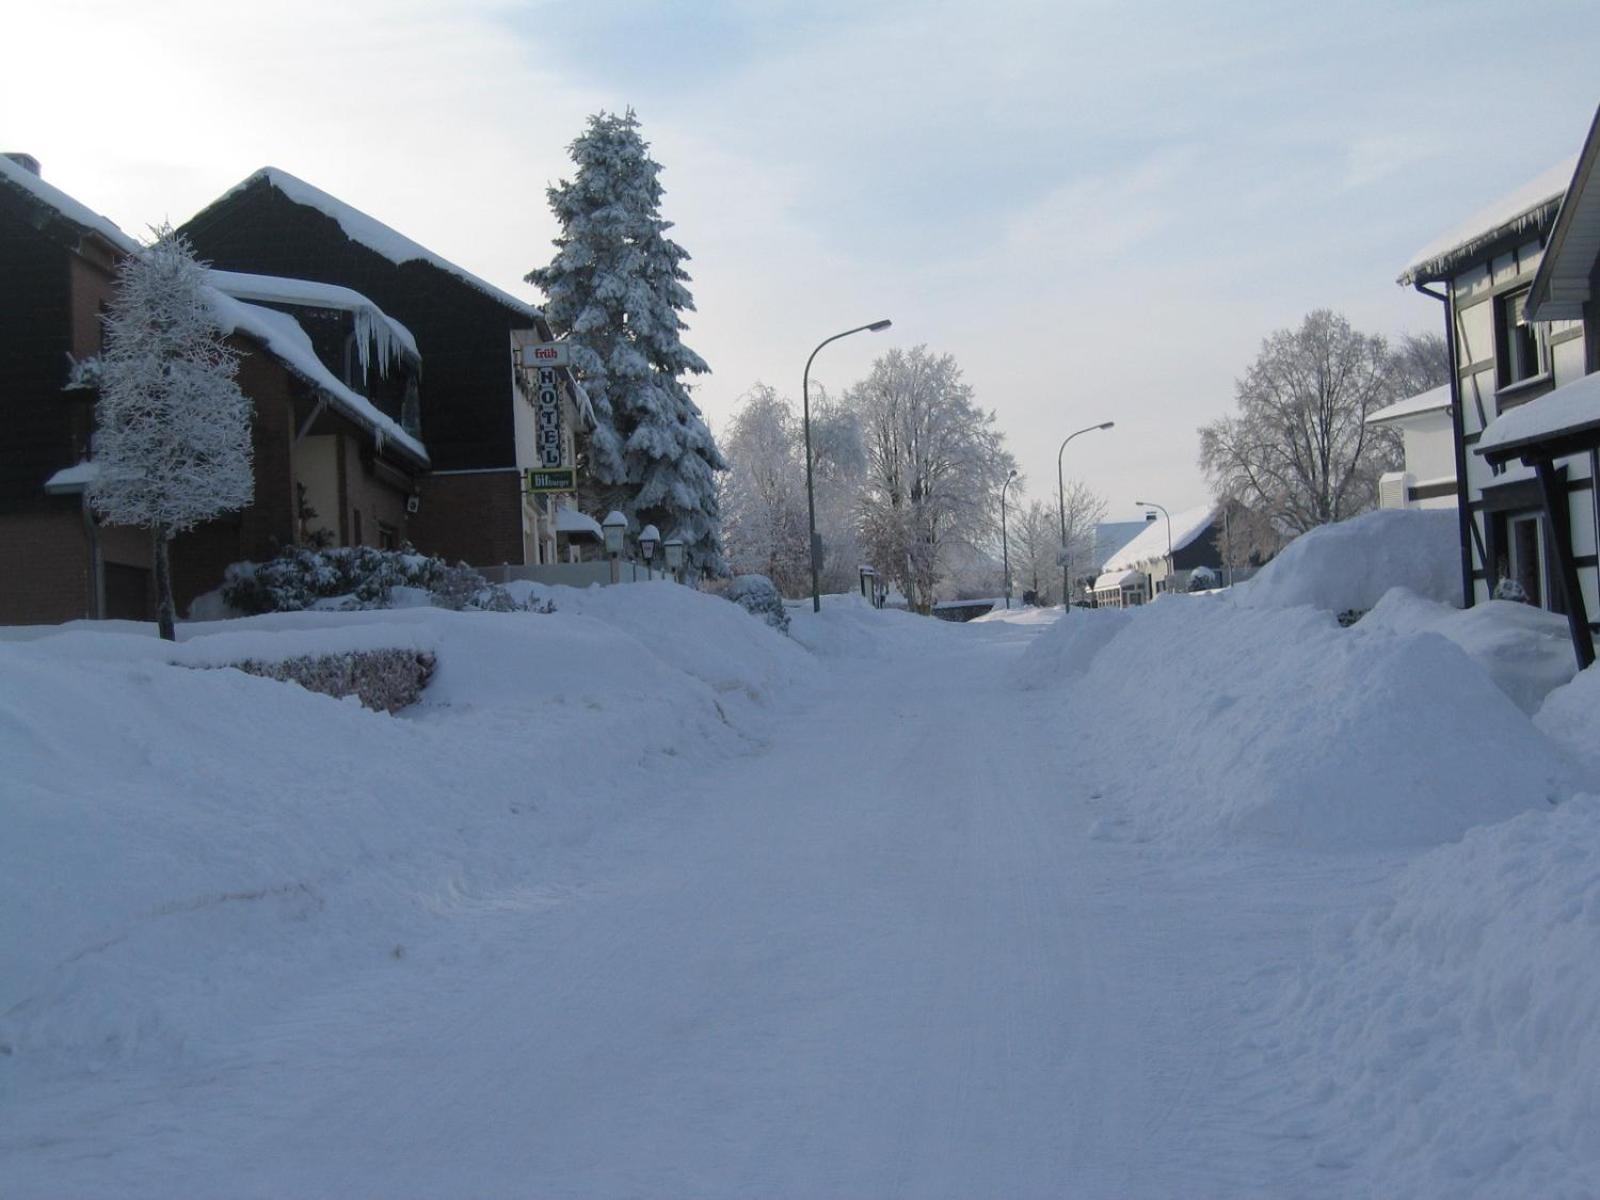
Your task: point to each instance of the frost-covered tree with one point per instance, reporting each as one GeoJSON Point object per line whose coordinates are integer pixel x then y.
{"type": "Point", "coordinates": [763, 498]}
{"type": "Point", "coordinates": [1034, 538]}
{"type": "Point", "coordinates": [1299, 450]}
{"type": "Point", "coordinates": [172, 443]}
{"type": "Point", "coordinates": [839, 465]}
{"type": "Point", "coordinates": [615, 289]}
{"type": "Point", "coordinates": [1084, 509]}
{"type": "Point", "coordinates": [935, 466]}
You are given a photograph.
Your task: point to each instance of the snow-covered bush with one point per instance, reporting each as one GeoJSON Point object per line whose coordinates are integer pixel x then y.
{"type": "Point", "coordinates": [759, 597]}
{"type": "Point", "coordinates": [383, 680]}
{"type": "Point", "coordinates": [1202, 579]}
{"type": "Point", "coordinates": [356, 577]}
{"type": "Point", "coordinates": [1510, 589]}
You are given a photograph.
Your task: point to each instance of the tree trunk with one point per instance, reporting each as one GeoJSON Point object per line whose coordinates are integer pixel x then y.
{"type": "Point", "coordinates": [166, 610]}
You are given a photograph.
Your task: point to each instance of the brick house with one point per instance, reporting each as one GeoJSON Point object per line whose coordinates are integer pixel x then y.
{"type": "Point", "coordinates": [312, 430]}
{"type": "Point", "coordinates": [479, 427]}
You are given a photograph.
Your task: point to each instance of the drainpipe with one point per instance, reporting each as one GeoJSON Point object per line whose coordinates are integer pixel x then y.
{"type": "Point", "coordinates": [97, 574]}
{"type": "Point", "coordinates": [1467, 531]}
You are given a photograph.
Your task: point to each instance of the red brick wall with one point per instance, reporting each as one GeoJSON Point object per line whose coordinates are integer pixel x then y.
{"type": "Point", "coordinates": [475, 517]}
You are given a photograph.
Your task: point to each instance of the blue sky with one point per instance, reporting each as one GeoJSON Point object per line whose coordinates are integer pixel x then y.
{"type": "Point", "coordinates": [1099, 208]}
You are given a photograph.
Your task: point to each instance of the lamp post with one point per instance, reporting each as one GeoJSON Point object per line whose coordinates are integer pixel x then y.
{"type": "Point", "coordinates": [613, 527]}
{"type": "Point", "coordinates": [811, 499]}
{"type": "Point", "coordinates": [1061, 501]}
{"type": "Point", "coordinates": [1165, 513]}
{"type": "Point", "coordinates": [649, 539]}
{"type": "Point", "coordinates": [1005, 548]}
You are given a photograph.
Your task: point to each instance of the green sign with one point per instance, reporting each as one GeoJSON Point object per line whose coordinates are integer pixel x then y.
{"type": "Point", "coordinates": [552, 479]}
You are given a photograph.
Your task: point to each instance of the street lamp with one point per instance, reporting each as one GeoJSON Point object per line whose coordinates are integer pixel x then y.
{"type": "Point", "coordinates": [674, 551]}
{"type": "Point", "coordinates": [811, 499]}
{"type": "Point", "coordinates": [649, 539]}
{"type": "Point", "coordinates": [1061, 500]}
{"type": "Point", "coordinates": [1005, 548]}
{"type": "Point", "coordinates": [613, 527]}
{"type": "Point", "coordinates": [1165, 513]}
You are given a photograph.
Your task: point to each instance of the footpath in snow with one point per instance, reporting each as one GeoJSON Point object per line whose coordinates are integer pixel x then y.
{"type": "Point", "coordinates": [647, 899]}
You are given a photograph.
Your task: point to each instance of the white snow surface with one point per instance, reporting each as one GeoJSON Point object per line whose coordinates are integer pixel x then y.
{"type": "Point", "coordinates": [1151, 545]}
{"type": "Point", "coordinates": [1511, 213]}
{"type": "Point", "coordinates": [1352, 564]}
{"type": "Point", "coordinates": [1568, 406]}
{"type": "Point", "coordinates": [645, 898]}
{"type": "Point", "coordinates": [374, 234]}
{"type": "Point", "coordinates": [1424, 402]}
{"type": "Point", "coordinates": [372, 323]}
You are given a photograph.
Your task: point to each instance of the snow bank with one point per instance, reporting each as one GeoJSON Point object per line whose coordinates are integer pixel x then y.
{"type": "Point", "coordinates": [1352, 564]}
{"type": "Point", "coordinates": [1570, 716]}
{"type": "Point", "coordinates": [1525, 651]}
{"type": "Point", "coordinates": [1450, 1040]}
{"type": "Point", "coordinates": [1278, 724]}
{"type": "Point", "coordinates": [1066, 649]}
{"type": "Point", "coordinates": [188, 849]}
{"type": "Point", "coordinates": [850, 628]}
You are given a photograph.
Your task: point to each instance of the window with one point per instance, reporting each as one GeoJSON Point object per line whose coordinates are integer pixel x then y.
{"type": "Point", "coordinates": [388, 537]}
{"type": "Point", "coordinates": [1519, 345]}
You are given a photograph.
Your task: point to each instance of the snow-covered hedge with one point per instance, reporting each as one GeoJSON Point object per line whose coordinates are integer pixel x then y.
{"type": "Point", "coordinates": [383, 680]}
{"type": "Point", "coordinates": [759, 597]}
{"type": "Point", "coordinates": [357, 577]}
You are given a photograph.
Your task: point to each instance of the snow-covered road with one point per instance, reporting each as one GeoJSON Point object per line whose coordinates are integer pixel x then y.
{"type": "Point", "coordinates": [892, 951]}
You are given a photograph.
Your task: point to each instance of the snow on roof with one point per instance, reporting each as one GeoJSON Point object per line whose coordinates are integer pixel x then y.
{"type": "Point", "coordinates": [282, 336]}
{"type": "Point", "coordinates": [1566, 409]}
{"type": "Point", "coordinates": [1430, 401]}
{"type": "Point", "coordinates": [1152, 543]}
{"type": "Point", "coordinates": [1118, 579]}
{"type": "Point", "coordinates": [72, 479]}
{"type": "Point", "coordinates": [570, 520]}
{"type": "Point", "coordinates": [1534, 202]}
{"type": "Point", "coordinates": [1111, 536]}
{"type": "Point", "coordinates": [372, 323]}
{"type": "Point", "coordinates": [21, 179]}
{"type": "Point", "coordinates": [374, 234]}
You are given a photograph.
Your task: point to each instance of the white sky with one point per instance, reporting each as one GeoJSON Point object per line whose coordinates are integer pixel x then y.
{"type": "Point", "coordinates": [1099, 208]}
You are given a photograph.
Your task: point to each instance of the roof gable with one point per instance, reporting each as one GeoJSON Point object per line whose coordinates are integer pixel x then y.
{"type": "Point", "coordinates": [370, 232]}
{"type": "Point", "coordinates": [1532, 207]}
{"type": "Point", "coordinates": [20, 181]}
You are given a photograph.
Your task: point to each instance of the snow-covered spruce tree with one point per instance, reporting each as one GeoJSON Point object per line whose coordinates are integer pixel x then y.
{"type": "Point", "coordinates": [172, 442]}
{"type": "Point", "coordinates": [614, 290]}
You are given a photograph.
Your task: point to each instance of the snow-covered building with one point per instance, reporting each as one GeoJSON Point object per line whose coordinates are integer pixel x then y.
{"type": "Point", "coordinates": [311, 429]}
{"type": "Point", "coordinates": [480, 428]}
{"type": "Point", "coordinates": [1162, 557]}
{"type": "Point", "coordinates": [1516, 348]}
{"type": "Point", "coordinates": [1428, 478]}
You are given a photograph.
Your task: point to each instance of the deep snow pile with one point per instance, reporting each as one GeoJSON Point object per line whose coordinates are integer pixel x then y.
{"type": "Point", "coordinates": [1349, 566]}
{"type": "Point", "coordinates": [1279, 724]}
{"type": "Point", "coordinates": [1449, 1043]}
{"type": "Point", "coordinates": [1526, 651]}
{"type": "Point", "coordinates": [186, 848]}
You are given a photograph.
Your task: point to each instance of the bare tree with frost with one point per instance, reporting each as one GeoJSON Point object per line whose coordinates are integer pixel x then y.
{"type": "Point", "coordinates": [172, 443]}
{"type": "Point", "coordinates": [762, 493]}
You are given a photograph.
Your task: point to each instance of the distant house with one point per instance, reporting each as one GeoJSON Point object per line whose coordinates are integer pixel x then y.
{"type": "Point", "coordinates": [313, 434]}
{"type": "Point", "coordinates": [1161, 559]}
{"type": "Point", "coordinates": [480, 429]}
{"type": "Point", "coordinates": [1428, 479]}
{"type": "Point", "coordinates": [1515, 349]}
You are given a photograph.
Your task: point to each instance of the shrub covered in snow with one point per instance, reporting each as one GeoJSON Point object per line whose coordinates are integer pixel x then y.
{"type": "Point", "coordinates": [383, 680]}
{"type": "Point", "coordinates": [357, 577]}
{"type": "Point", "coordinates": [1202, 579]}
{"type": "Point", "coordinates": [759, 597]}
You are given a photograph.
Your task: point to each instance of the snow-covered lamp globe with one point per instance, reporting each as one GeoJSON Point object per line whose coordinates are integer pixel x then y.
{"type": "Point", "coordinates": [649, 539]}
{"type": "Point", "coordinates": [613, 527]}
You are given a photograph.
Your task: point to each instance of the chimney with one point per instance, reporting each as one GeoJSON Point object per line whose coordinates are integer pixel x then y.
{"type": "Point", "coordinates": [26, 161]}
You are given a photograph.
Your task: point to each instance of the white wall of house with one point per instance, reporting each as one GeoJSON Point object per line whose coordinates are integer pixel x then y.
{"type": "Point", "coordinates": [1491, 354]}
